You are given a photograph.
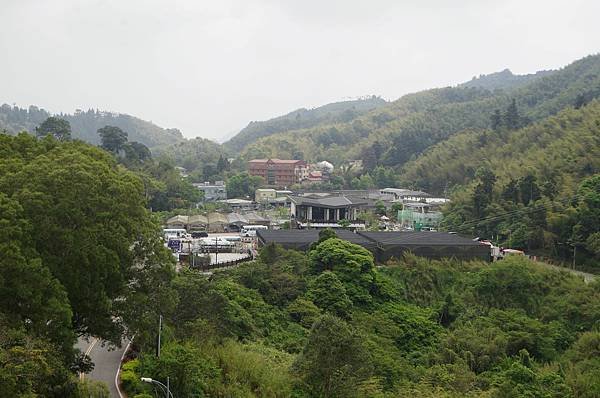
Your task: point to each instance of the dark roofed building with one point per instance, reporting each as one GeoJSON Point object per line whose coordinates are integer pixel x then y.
{"type": "Point", "coordinates": [427, 244]}
{"type": "Point", "coordinates": [301, 239]}
{"type": "Point", "coordinates": [385, 245]}
{"type": "Point", "coordinates": [325, 211]}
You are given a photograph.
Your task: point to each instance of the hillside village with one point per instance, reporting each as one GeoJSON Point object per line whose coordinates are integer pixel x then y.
{"type": "Point", "coordinates": [443, 244]}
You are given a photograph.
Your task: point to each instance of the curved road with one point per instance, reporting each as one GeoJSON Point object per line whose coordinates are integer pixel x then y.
{"type": "Point", "coordinates": [107, 361]}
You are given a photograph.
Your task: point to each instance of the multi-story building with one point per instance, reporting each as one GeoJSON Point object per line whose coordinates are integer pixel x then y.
{"type": "Point", "coordinates": [279, 172]}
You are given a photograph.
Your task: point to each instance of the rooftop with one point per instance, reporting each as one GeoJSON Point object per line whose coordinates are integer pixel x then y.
{"type": "Point", "coordinates": [278, 161]}
{"type": "Point", "coordinates": [327, 201]}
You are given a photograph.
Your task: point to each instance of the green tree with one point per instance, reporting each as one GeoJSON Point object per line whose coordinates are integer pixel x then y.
{"type": "Point", "coordinates": [329, 294]}
{"type": "Point", "coordinates": [512, 118]}
{"type": "Point", "coordinates": [137, 152]}
{"type": "Point", "coordinates": [89, 216]}
{"type": "Point", "coordinates": [352, 264]}
{"type": "Point", "coordinates": [334, 360]}
{"type": "Point", "coordinates": [60, 129]}
{"type": "Point", "coordinates": [242, 185]}
{"type": "Point", "coordinates": [496, 120]}
{"type": "Point", "coordinates": [113, 139]}
{"type": "Point", "coordinates": [222, 164]}
{"type": "Point", "coordinates": [30, 296]}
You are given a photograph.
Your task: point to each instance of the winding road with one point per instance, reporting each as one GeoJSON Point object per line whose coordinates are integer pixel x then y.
{"type": "Point", "coordinates": [107, 361]}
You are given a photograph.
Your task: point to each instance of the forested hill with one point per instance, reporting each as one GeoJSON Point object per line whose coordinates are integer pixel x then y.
{"type": "Point", "coordinates": [560, 150]}
{"type": "Point", "coordinates": [504, 80]}
{"type": "Point", "coordinates": [337, 112]}
{"type": "Point", "coordinates": [86, 124]}
{"type": "Point", "coordinates": [400, 131]}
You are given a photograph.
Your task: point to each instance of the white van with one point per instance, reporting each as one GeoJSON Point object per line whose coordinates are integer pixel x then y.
{"type": "Point", "coordinates": [250, 230]}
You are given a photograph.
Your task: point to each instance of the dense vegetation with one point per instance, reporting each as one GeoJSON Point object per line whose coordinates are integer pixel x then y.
{"type": "Point", "coordinates": [81, 255]}
{"type": "Point", "coordinates": [503, 80]}
{"type": "Point", "coordinates": [337, 112]}
{"type": "Point", "coordinates": [409, 126]}
{"type": "Point", "coordinates": [522, 187]}
{"type": "Point", "coordinates": [331, 324]}
{"type": "Point", "coordinates": [86, 123]}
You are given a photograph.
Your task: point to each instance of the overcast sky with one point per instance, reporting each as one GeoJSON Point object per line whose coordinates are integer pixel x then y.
{"type": "Point", "coordinates": [210, 67]}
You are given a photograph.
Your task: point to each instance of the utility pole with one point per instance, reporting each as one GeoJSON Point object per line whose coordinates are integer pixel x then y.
{"type": "Point", "coordinates": [574, 253]}
{"type": "Point", "coordinates": [216, 250]}
{"type": "Point", "coordinates": [159, 331]}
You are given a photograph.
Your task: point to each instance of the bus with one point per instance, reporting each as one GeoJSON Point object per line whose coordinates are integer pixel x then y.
{"type": "Point", "coordinates": [250, 230]}
{"type": "Point", "coordinates": [174, 233]}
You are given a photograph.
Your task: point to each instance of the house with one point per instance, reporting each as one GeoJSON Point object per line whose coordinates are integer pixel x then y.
{"type": "Point", "coordinates": [212, 192]}
{"type": "Point", "coordinates": [400, 194]}
{"type": "Point", "coordinates": [322, 211]}
{"type": "Point", "coordinates": [315, 176]}
{"type": "Point", "coordinates": [264, 195]}
{"type": "Point", "coordinates": [279, 172]}
{"type": "Point", "coordinates": [409, 195]}
{"type": "Point", "coordinates": [239, 204]}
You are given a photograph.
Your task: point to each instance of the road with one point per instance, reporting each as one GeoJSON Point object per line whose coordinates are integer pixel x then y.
{"type": "Point", "coordinates": [106, 361]}
{"type": "Point", "coordinates": [587, 278]}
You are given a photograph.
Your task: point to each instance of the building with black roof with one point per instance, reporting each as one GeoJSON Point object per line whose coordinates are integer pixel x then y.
{"type": "Point", "coordinates": [325, 211]}
{"type": "Point", "coordinates": [386, 245]}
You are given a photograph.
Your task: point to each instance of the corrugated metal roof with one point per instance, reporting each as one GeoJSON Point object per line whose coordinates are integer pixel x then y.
{"type": "Point", "coordinates": [235, 218]}
{"type": "Point", "coordinates": [217, 218]}
{"type": "Point", "coordinates": [178, 219]}
{"type": "Point", "coordinates": [197, 219]}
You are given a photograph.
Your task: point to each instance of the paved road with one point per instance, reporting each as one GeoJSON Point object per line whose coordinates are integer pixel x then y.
{"type": "Point", "coordinates": [106, 361]}
{"type": "Point", "coordinates": [587, 278]}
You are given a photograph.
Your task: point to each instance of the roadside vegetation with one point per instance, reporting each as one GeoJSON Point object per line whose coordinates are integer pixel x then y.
{"type": "Point", "coordinates": [330, 323]}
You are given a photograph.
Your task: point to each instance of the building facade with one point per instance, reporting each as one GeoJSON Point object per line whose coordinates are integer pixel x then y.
{"type": "Point", "coordinates": [325, 212]}
{"type": "Point", "coordinates": [212, 192]}
{"type": "Point", "coordinates": [279, 172]}
{"type": "Point", "coordinates": [264, 195]}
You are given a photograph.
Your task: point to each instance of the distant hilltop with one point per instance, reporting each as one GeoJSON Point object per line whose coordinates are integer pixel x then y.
{"type": "Point", "coordinates": [503, 80]}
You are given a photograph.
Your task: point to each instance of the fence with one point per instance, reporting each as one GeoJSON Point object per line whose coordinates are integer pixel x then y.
{"type": "Point", "coordinates": [224, 264]}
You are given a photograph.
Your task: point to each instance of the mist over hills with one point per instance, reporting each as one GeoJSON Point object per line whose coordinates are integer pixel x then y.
{"type": "Point", "coordinates": [85, 124]}
{"type": "Point", "coordinates": [504, 79]}
{"type": "Point", "coordinates": [337, 112]}
{"type": "Point", "coordinates": [347, 130]}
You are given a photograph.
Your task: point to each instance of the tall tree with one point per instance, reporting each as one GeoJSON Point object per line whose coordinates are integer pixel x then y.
{"type": "Point", "coordinates": [496, 120]}
{"type": "Point", "coordinates": [222, 164]}
{"type": "Point", "coordinates": [334, 360]}
{"type": "Point", "coordinates": [512, 119]}
{"type": "Point", "coordinates": [113, 138]}
{"type": "Point", "coordinates": [56, 127]}
{"type": "Point", "coordinates": [88, 215]}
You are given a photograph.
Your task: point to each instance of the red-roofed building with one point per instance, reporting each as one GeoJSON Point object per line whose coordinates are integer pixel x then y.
{"type": "Point", "coordinates": [279, 172]}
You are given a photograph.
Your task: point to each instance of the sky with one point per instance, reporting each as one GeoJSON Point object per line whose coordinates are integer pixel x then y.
{"type": "Point", "coordinates": [208, 68]}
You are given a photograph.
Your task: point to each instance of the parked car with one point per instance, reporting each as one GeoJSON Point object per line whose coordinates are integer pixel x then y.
{"type": "Point", "coordinates": [201, 234]}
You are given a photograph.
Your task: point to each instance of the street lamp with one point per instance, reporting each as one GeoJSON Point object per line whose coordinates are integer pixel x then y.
{"type": "Point", "coordinates": [166, 389]}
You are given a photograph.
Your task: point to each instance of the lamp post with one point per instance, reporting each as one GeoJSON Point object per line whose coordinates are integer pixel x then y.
{"type": "Point", "coordinates": [165, 388]}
